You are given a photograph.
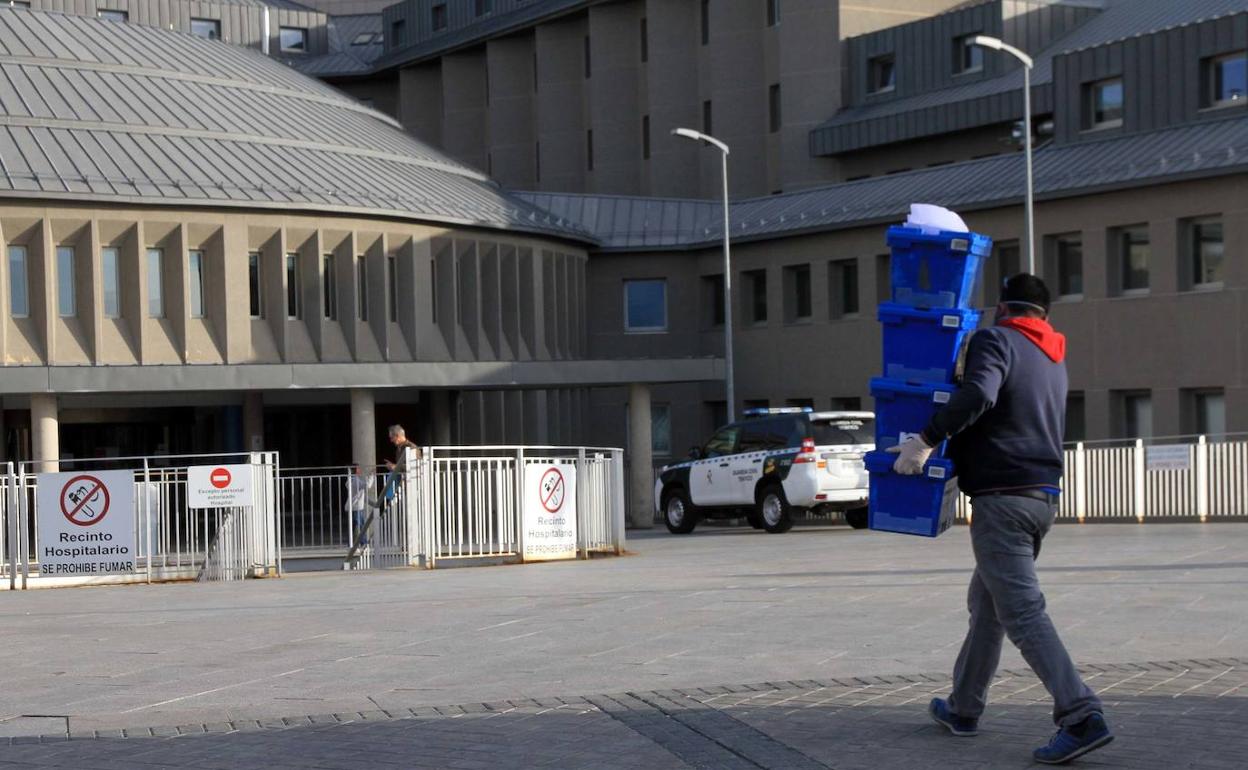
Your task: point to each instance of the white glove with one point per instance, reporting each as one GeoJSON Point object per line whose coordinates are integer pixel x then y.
{"type": "Point", "coordinates": [912, 456]}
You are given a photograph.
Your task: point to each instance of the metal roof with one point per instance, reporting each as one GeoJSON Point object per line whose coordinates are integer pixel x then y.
{"type": "Point", "coordinates": [622, 224]}
{"type": "Point", "coordinates": [345, 58]}
{"type": "Point", "coordinates": [99, 111]}
{"type": "Point", "coordinates": [1119, 20]}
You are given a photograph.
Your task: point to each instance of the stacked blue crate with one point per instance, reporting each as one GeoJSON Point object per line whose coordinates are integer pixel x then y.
{"type": "Point", "coordinates": [924, 328]}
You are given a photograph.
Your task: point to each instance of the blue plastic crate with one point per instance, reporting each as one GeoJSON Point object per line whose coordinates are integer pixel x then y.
{"type": "Point", "coordinates": [937, 270]}
{"type": "Point", "coordinates": [923, 345]}
{"type": "Point", "coordinates": [902, 408]}
{"type": "Point", "coordinates": [912, 505]}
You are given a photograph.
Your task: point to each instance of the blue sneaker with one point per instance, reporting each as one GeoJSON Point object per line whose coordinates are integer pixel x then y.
{"type": "Point", "coordinates": [1075, 741]}
{"type": "Point", "coordinates": [963, 727]}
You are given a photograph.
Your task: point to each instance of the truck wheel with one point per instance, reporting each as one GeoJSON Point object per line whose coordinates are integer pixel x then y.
{"type": "Point", "coordinates": [774, 509]}
{"type": "Point", "coordinates": [678, 512]}
{"type": "Point", "coordinates": [856, 517]}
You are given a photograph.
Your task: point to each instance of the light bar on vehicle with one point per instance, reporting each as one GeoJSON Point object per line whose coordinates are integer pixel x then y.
{"type": "Point", "coordinates": [763, 411]}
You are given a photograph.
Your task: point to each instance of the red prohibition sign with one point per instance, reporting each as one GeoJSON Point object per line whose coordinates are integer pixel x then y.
{"type": "Point", "coordinates": [550, 489]}
{"type": "Point", "coordinates": [220, 478]}
{"type": "Point", "coordinates": [84, 500]}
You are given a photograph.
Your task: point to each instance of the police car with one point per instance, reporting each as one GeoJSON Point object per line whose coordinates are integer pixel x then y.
{"type": "Point", "coordinates": [770, 466]}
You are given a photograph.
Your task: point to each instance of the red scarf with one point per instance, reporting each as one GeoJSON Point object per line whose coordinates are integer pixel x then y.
{"type": "Point", "coordinates": [1040, 333]}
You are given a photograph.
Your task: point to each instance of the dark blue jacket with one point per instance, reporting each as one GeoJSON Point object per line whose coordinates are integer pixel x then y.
{"type": "Point", "coordinates": [1008, 418]}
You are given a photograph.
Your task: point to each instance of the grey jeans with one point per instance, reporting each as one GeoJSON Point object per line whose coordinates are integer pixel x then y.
{"type": "Point", "coordinates": [1005, 599]}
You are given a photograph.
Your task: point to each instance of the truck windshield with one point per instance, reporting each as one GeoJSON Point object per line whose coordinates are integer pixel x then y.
{"type": "Point", "coordinates": [841, 431]}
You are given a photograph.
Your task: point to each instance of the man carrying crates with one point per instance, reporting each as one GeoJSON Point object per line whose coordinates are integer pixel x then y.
{"type": "Point", "coordinates": [1005, 426]}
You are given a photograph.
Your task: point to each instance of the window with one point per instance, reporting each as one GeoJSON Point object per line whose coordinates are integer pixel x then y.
{"type": "Point", "coordinates": [773, 107]}
{"type": "Point", "coordinates": [19, 295]}
{"type": "Point", "coordinates": [589, 149]}
{"type": "Point", "coordinates": [255, 284]}
{"type": "Point", "coordinates": [883, 278]}
{"type": "Point", "coordinates": [1009, 263]}
{"type": "Point", "coordinates": [645, 137]}
{"type": "Point", "coordinates": [881, 74]}
{"type": "Point", "coordinates": [706, 117]}
{"type": "Point", "coordinates": [361, 288]}
{"type": "Point", "coordinates": [292, 286]}
{"type": "Point", "coordinates": [713, 300]}
{"type": "Point", "coordinates": [773, 12]}
{"type": "Point", "coordinates": [366, 38]}
{"type": "Point", "coordinates": [1225, 81]}
{"type": "Point", "coordinates": [661, 430]}
{"type": "Point", "coordinates": [723, 442]}
{"type": "Point", "coordinates": [843, 287]}
{"type": "Point", "coordinates": [645, 305]}
{"type": "Point", "coordinates": [967, 57]}
{"type": "Point", "coordinates": [398, 33]}
{"type": "Point", "coordinates": [329, 283]}
{"type": "Point", "coordinates": [1076, 418]}
{"type": "Point", "coordinates": [847, 403]}
{"type": "Point", "coordinates": [706, 21]}
{"type": "Point", "coordinates": [717, 412]}
{"type": "Point", "coordinates": [1104, 105]}
{"type": "Point", "coordinates": [1207, 251]}
{"type": "Point", "coordinates": [208, 29]}
{"type": "Point", "coordinates": [1137, 414]}
{"type": "Point", "coordinates": [589, 70]}
{"type": "Point", "coordinates": [19, 3]}
{"type": "Point", "coordinates": [1068, 253]}
{"type": "Point", "coordinates": [155, 283]}
{"type": "Point", "coordinates": [1210, 412]}
{"type": "Point", "coordinates": [797, 293]}
{"type": "Point", "coordinates": [392, 287]}
{"type": "Point", "coordinates": [107, 14]}
{"type": "Point", "coordinates": [644, 40]}
{"type": "Point", "coordinates": [66, 291]}
{"type": "Point", "coordinates": [484, 6]}
{"type": "Point", "coordinates": [439, 17]}
{"type": "Point", "coordinates": [537, 161]}
{"type": "Point", "coordinates": [755, 286]}
{"type": "Point", "coordinates": [195, 266]}
{"type": "Point", "coordinates": [1133, 258]}
{"type": "Point", "coordinates": [433, 289]}
{"type": "Point", "coordinates": [293, 39]}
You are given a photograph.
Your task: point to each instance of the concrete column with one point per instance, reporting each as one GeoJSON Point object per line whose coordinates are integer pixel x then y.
{"type": "Point", "coordinates": [442, 413]}
{"type": "Point", "coordinates": [363, 428]}
{"type": "Point", "coordinates": [640, 461]}
{"type": "Point", "coordinates": [44, 433]}
{"type": "Point", "coordinates": [253, 421]}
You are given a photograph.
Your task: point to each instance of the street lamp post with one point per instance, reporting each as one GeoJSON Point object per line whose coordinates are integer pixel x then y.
{"type": "Point", "coordinates": [1000, 45]}
{"type": "Point", "coordinates": [698, 136]}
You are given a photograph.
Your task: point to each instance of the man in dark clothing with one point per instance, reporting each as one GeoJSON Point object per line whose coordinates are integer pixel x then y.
{"type": "Point", "coordinates": [1005, 426]}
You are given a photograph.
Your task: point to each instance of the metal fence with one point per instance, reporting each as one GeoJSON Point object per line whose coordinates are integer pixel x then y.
{"type": "Point", "coordinates": [173, 541]}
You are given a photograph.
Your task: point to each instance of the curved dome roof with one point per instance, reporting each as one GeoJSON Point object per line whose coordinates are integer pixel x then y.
{"type": "Point", "coordinates": [100, 111]}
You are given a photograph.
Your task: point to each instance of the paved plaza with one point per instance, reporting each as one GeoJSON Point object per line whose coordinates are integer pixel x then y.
{"type": "Point", "coordinates": [727, 648]}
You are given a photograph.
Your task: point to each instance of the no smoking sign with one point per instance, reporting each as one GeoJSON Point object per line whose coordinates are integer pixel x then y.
{"type": "Point", "coordinates": [84, 500]}
{"type": "Point", "coordinates": [553, 489]}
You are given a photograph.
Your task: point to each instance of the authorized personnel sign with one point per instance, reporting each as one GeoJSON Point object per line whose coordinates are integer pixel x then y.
{"type": "Point", "coordinates": [1168, 457]}
{"type": "Point", "coordinates": [549, 511]}
{"type": "Point", "coordinates": [218, 486]}
{"type": "Point", "coordinates": [86, 522]}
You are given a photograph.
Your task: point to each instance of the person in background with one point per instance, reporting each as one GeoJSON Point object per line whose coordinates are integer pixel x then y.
{"type": "Point", "coordinates": [398, 437]}
{"type": "Point", "coordinates": [1005, 426]}
{"type": "Point", "coordinates": [358, 486]}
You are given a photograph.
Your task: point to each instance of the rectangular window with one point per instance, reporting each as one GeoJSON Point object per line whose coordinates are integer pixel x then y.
{"type": "Point", "coordinates": [706, 21]}
{"type": "Point", "coordinates": [773, 107]}
{"type": "Point", "coordinates": [773, 12]}
{"type": "Point", "coordinates": [20, 3]}
{"type": "Point", "coordinates": [661, 430]}
{"type": "Point", "coordinates": [361, 288]}
{"type": "Point", "coordinates": [155, 283]}
{"type": "Point", "coordinates": [1009, 263]}
{"type": "Point", "coordinates": [1225, 81]}
{"type": "Point", "coordinates": [292, 286]}
{"type": "Point", "coordinates": [1210, 413]}
{"type": "Point", "coordinates": [1076, 418]}
{"type": "Point", "coordinates": [1137, 414]}
{"type": "Point", "coordinates": [713, 300]}
{"type": "Point", "coordinates": [843, 287]}
{"type": "Point", "coordinates": [19, 293]}
{"type": "Point", "coordinates": [433, 289]}
{"type": "Point", "coordinates": [881, 74]}
{"type": "Point", "coordinates": [195, 268]}
{"type": "Point", "coordinates": [1104, 104]}
{"type": "Point", "coordinates": [755, 285]}
{"type": "Point", "coordinates": [208, 29]}
{"type": "Point", "coordinates": [255, 284]}
{"type": "Point", "coordinates": [1069, 257]}
{"type": "Point", "coordinates": [883, 278]}
{"type": "Point", "coordinates": [645, 40]}
{"type": "Point", "coordinates": [1207, 251]}
{"type": "Point", "coordinates": [107, 14]}
{"type": "Point", "coordinates": [706, 117]}
{"type": "Point", "coordinates": [392, 287]}
{"type": "Point", "coordinates": [537, 161]}
{"type": "Point", "coordinates": [398, 33]}
{"type": "Point", "coordinates": [645, 305]}
{"type": "Point", "coordinates": [589, 70]}
{"type": "Point", "coordinates": [293, 39]}
{"type": "Point", "coordinates": [967, 57]}
{"type": "Point", "coordinates": [847, 403]}
{"type": "Point", "coordinates": [797, 293]}
{"type": "Point", "coordinates": [589, 149]}
{"type": "Point", "coordinates": [329, 290]}
{"type": "Point", "coordinates": [717, 412]}
{"type": "Point", "coordinates": [439, 17]}
{"type": "Point", "coordinates": [1133, 258]}
{"type": "Point", "coordinates": [484, 6]}
{"type": "Point", "coordinates": [645, 137]}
